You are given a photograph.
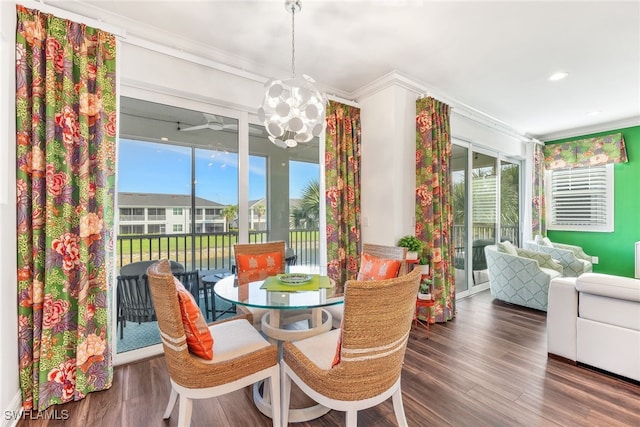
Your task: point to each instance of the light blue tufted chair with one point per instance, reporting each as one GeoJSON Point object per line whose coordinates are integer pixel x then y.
{"type": "Point", "coordinates": [521, 279]}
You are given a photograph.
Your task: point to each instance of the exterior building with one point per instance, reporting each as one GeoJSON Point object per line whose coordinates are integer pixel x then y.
{"type": "Point", "coordinates": [143, 213]}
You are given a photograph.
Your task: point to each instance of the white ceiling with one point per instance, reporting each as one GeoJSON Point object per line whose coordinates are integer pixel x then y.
{"type": "Point", "coordinates": [491, 56]}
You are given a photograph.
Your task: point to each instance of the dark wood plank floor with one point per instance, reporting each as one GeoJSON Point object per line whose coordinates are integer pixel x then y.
{"type": "Point", "coordinates": [488, 367]}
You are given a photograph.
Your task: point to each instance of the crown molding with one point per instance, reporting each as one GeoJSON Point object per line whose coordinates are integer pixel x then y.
{"type": "Point", "coordinates": [586, 130]}
{"type": "Point", "coordinates": [397, 79]}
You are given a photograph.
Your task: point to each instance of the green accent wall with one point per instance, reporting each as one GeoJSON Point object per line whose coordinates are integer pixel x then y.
{"type": "Point", "coordinates": [615, 250]}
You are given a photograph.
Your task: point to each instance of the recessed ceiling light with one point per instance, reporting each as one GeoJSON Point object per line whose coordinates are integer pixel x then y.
{"type": "Point", "coordinates": [164, 138]}
{"type": "Point", "coordinates": [593, 113]}
{"type": "Point", "coordinates": [558, 76]}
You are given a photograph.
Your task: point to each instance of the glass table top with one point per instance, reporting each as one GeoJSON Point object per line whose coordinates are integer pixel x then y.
{"type": "Point", "coordinates": [251, 295]}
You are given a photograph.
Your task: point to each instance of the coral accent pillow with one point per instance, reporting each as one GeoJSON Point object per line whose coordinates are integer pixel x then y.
{"type": "Point", "coordinates": [337, 356]}
{"type": "Point", "coordinates": [258, 267]}
{"type": "Point", "coordinates": [374, 268]}
{"type": "Point", "coordinates": [199, 339]}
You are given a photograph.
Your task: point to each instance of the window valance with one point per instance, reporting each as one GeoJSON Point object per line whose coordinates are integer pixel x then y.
{"type": "Point", "coordinates": [586, 152]}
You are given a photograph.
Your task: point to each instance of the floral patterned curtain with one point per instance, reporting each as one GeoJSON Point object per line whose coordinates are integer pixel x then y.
{"type": "Point", "coordinates": [66, 128]}
{"type": "Point", "coordinates": [586, 152]}
{"type": "Point", "coordinates": [538, 221]}
{"type": "Point", "coordinates": [342, 170]}
{"type": "Point", "coordinates": [434, 190]}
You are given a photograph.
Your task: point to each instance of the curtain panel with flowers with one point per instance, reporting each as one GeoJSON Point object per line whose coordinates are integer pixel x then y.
{"type": "Point", "coordinates": [538, 219]}
{"type": "Point", "coordinates": [586, 152]}
{"type": "Point", "coordinates": [342, 177]}
{"type": "Point", "coordinates": [434, 190]}
{"type": "Point", "coordinates": [66, 129]}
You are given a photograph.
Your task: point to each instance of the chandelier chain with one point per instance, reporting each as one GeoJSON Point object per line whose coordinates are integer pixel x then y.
{"type": "Point", "coordinates": [293, 41]}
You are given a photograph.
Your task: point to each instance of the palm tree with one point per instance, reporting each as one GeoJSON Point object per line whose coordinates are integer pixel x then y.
{"type": "Point", "coordinates": [229, 213]}
{"type": "Point", "coordinates": [259, 210]}
{"type": "Point", "coordinates": [307, 215]}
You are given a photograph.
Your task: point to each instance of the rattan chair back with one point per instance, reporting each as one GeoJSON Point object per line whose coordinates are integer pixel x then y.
{"type": "Point", "coordinates": [376, 326]}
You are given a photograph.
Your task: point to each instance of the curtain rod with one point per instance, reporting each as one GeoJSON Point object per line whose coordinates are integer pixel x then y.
{"type": "Point", "coordinates": [348, 102]}
{"type": "Point", "coordinates": [61, 13]}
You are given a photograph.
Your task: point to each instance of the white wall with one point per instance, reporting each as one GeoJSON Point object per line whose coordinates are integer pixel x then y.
{"type": "Point", "coordinates": [485, 135]}
{"type": "Point", "coordinates": [388, 165]}
{"type": "Point", "coordinates": [9, 390]}
{"type": "Point", "coordinates": [388, 158]}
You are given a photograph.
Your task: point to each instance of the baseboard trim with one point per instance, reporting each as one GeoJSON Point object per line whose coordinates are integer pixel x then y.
{"type": "Point", "coordinates": [561, 359]}
{"type": "Point", "coordinates": [13, 413]}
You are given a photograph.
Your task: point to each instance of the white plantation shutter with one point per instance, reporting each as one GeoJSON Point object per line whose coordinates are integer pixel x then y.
{"type": "Point", "coordinates": [580, 199]}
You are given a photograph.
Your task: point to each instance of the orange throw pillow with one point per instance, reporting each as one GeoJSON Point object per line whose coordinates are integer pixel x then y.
{"type": "Point", "coordinates": [374, 268]}
{"type": "Point", "coordinates": [199, 339]}
{"type": "Point", "coordinates": [258, 267]}
{"type": "Point", "coordinates": [338, 355]}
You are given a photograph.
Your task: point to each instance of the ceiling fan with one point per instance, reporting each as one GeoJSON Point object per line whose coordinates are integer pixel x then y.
{"type": "Point", "coordinates": [213, 122]}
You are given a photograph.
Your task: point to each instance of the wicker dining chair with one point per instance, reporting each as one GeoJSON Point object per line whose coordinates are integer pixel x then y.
{"type": "Point", "coordinates": [241, 356]}
{"type": "Point", "coordinates": [379, 251]}
{"type": "Point", "coordinates": [374, 339]}
{"type": "Point", "coordinates": [255, 314]}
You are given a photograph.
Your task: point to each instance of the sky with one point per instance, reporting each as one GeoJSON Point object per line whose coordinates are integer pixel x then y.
{"type": "Point", "coordinates": [148, 167]}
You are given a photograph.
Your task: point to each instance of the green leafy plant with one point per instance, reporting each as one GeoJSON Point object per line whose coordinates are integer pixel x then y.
{"type": "Point", "coordinates": [411, 243]}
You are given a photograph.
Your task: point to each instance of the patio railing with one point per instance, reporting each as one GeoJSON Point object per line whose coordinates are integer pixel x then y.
{"type": "Point", "coordinates": [207, 251]}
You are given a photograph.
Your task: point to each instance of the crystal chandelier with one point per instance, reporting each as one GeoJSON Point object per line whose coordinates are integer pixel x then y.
{"type": "Point", "coordinates": [292, 110]}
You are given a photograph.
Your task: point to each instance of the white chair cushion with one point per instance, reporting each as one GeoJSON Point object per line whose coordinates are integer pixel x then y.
{"type": "Point", "coordinates": [320, 349]}
{"type": "Point", "coordinates": [234, 338]}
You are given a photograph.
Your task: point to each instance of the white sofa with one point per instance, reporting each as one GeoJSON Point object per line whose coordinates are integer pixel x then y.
{"type": "Point", "coordinates": [594, 319]}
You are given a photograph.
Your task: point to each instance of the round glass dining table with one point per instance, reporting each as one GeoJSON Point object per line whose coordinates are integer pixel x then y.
{"type": "Point", "coordinates": [284, 309]}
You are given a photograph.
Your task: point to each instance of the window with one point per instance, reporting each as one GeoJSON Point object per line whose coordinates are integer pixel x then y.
{"type": "Point", "coordinates": [131, 214]}
{"type": "Point", "coordinates": [156, 214]}
{"type": "Point", "coordinates": [132, 229]}
{"type": "Point", "coordinates": [177, 228]}
{"type": "Point", "coordinates": [580, 199]}
{"type": "Point", "coordinates": [156, 229]}
{"type": "Point", "coordinates": [177, 211]}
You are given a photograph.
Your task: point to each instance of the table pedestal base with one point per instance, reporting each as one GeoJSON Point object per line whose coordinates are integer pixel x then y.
{"type": "Point", "coordinates": [263, 402]}
{"type": "Point", "coordinates": [321, 321]}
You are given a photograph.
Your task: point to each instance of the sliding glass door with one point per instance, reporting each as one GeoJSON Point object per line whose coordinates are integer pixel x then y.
{"type": "Point", "coordinates": [187, 193]}
{"type": "Point", "coordinates": [486, 207]}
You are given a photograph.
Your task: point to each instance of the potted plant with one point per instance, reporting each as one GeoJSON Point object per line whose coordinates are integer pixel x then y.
{"type": "Point", "coordinates": [424, 292]}
{"type": "Point", "coordinates": [424, 265]}
{"type": "Point", "coordinates": [413, 245]}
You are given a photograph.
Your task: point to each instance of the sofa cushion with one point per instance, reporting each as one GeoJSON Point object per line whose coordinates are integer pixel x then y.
{"type": "Point", "coordinates": [609, 286]}
{"type": "Point", "coordinates": [613, 311]}
{"type": "Point", "coordinates": [507, 248]}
